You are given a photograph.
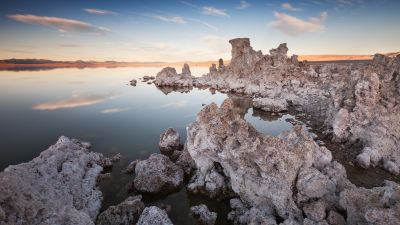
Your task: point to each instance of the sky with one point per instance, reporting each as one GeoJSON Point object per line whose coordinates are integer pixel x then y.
{"type": "Point", "coordinates": [175, 30]}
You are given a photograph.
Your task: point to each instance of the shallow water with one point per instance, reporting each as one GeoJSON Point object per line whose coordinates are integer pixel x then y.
{"type": "Point", "coordinates": [99, 106]}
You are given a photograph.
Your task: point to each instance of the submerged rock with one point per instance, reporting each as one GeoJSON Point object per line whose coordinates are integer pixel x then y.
{"type": "Point", "coordinates": [125, 213]}
{"type": "Point", "coordinates": [157, 175]}
{"type": "Point", "coordinates": [57, 187]}
{"type": "Point", "coordinates": [170, 141]}
{"type": "Point", "coordinates": [203, 214]}
{"type": "Point", "coordinates": [154, 216]}
{"type": "Point", "coordinates": [131, 167]}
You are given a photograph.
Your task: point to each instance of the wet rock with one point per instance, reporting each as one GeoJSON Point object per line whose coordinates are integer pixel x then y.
{"type": "Point", "coordinates": [125, 213]}
{"type": "Point", "coordinates": [170, 141]}
{"type": "Point", "coordinates": [154, 216]}
{"type": "Point", "coordinates": [203, 214]}
{"type": "Point", "coordinates": [242, 215]}
{"type": "Point", "coordinates": [57, 187]}
{"type": "Point", "coordinates": [116, 158]}
{"type": "Point", "coordinates": [270, 105]}
{"type": "Point", "coordinates": [379, 205]}
{"type": "Point", "coordinates": [186, 162]}
{"type": "Point", "coordinates": [147, 78]}
{"type": "Point", "coordinates": [131, 167]}
{"type": "Point", "coordinates": [133, 82]}
{"type": "Point", "coordinates": [157, 175]}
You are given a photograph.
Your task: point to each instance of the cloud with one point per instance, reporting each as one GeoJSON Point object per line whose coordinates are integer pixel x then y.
{"type": "Point", "coordinates": [73, 102]}
{"type": "Point", "coordinates": [205, 24]}
{"type": "Point", "coordinates": [212, 11]}
{"type": "Point", "coordinates": [218, 44]}
{"type": "Point", "coordinates": [174, 104]}
{"type": "Point", "coordinates": [113, 110]}
{"type": "Point", "coordinates": [173, 19]}
{"type": "Point", "coordinates": [61, 24]}
{"type": "Point", "coordinates": [289, 7]}
{"type": "Point", "coordinates": [293, 26]}
{"type": "Point", "coordinates": [190, 4]}
{"type": "Point", "coordinates": [243, 5]}
{"type": "Point", "coordinates": [100, 12]}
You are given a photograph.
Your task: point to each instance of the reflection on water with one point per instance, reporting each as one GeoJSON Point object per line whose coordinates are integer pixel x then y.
{"type": "Point", "coordinates": [99, 105]}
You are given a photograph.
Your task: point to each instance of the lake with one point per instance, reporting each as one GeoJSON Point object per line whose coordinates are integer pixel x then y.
{"type": "Point", "coordinates": [98, 105]}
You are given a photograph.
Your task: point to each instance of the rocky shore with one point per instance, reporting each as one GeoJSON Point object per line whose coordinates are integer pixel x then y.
{"type": "Point", "coordinates": [288, 179]}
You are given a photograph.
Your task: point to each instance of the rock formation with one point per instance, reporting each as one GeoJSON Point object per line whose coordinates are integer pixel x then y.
{"type": "Point", "coordinates": [170, 141]}
{"type": "Point", "coordinates": [203, 214]}
{"type": "Point", "coordinates": [154, 216]}
{"type": "Point", "coordinates": [353, 102]}
{"type": "Point", "coordinates": [158, 175]}
{"type": "Point", "coordinates": [284, 177]}
{"type": "Point", "coordinates": [169, 77]}
{"type": "Point", "coordinates": [125, 213]}
{"type": "Point", "coordinates": [57, 187]}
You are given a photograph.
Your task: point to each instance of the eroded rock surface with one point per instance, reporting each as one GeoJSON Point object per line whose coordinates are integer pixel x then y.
{"type": "Point", "coordinates": [203, 214]}
{"type": "Point", "coordinates": [158, 175]}
{"type": "Point", "coordinates": [270, 105]}
{"type": "Point", "coordinates": [353, 102]}
{"type": "Point", "coordinates": [125, 213]}
{"type": "Point", "coordinates": [169, 77]}
{"type": "Point", "coordinates": [57, 187]}
{"type": "Point", "coordinates": [170, 141]}
{"type": "Point", "coordinates": [154, 216]}
{"type": "Point", "coordinates": [283, 177]}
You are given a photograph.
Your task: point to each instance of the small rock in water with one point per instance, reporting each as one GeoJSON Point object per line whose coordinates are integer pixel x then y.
{"type": "Point", "coordinates": [203, 214]}
{"type": "Point", "coordinates": [133, 82]}
{"type": "Point", "coordinates": [131, 167]}
{"type": "Point", "coordinates": [170, 141]}
{"type": "Point", "coordinates": [116, 157]}
{"type": "Point", "coordinates": [158, 175]}
{"type": "Point", "coordinates": [154, 216]}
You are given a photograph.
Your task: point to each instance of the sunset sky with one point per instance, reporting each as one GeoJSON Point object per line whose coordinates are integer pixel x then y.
{"type": "Point", "coordinates": [129, 30]}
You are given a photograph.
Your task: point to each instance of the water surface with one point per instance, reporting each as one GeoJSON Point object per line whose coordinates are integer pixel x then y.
{"type": "Point", "coordinates": [99, 105]}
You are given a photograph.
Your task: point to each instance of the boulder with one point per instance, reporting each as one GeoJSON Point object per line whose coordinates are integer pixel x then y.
{"type": "Point", "coordinates": [169, 141]}
{"type": "Point", "coordinates": [203, 214]}
{"type": "Point", "coordinates": [125, 213]}
{"type": "Point", "coordinates": [154, 216]}
{"type": "Point", "coordinates": [158, 175]}
{"type": "Point", "coordinates": [57, 187]}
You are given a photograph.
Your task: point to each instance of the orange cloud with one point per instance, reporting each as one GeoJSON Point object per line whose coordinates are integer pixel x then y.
{"type": "Point", "coordinates": [61, 24]}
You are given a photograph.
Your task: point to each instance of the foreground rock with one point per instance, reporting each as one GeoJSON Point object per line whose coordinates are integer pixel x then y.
{"type": "Point", "coordinates": [203, 214]}
{"type": "Point", "coordinates": [286, 177]}
{"type": "Point", "coordinates": [57, 187]}
{"type": "Point", "coordinates": [158, 175]}
{"type": "Point", "coordinates": [125, 213]}
{"type": "Point", "coordinates": [154, 216]}
{"type": "Point", "coordinates": [170, 141]}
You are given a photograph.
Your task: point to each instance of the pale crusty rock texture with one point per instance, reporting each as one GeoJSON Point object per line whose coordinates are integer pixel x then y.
{"type": "Point", "coordinates": [125, 213]}
{"type": "Point", "coordinates": [270, 105]}
{"type": "Point", "coordinates": [285, 177]}
{"type": "Point", "coordinates": [170, 141]}
{"type": "Point", "coordinates": [169, 77]}
{"type": "Point", "coordinates": [57, 187]}
{"type": "Point", "coordinates": [203, 214]}
{"type": "Point", "coordinates": [158, 175]}
{"type": "Point", "coordinates": [354, 102]}
{"type": "Point", "coordinates": [154, 216]}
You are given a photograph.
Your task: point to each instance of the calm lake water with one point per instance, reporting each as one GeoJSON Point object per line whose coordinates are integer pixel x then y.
{"type": "Point", "coordinates": [99, 105]}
